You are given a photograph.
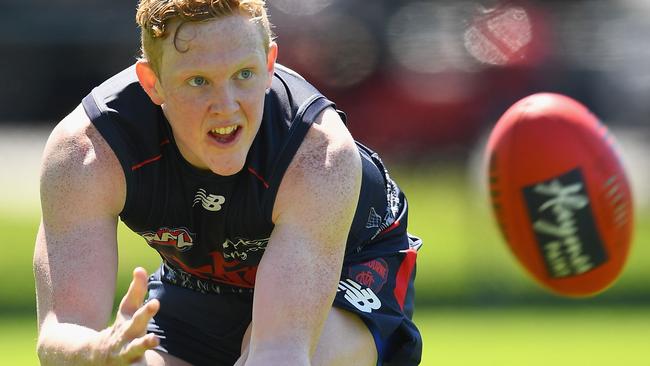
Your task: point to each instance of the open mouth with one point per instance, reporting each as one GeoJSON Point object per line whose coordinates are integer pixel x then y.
{"type": "Point", "coordinates": [224, 135]}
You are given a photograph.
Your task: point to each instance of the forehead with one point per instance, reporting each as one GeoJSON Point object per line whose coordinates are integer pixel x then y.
{"type": "Point", "coordinates": [212, 44]}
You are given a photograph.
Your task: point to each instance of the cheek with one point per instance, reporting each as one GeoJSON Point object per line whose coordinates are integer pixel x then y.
{"type": "Point", "coordinates": [184, 107]}
{"type": "Point", "coordinates": [185, 116]}
{"type": "Point", "coordinates": [183, 100]}
{"type": "Point", "coordinates": [254, 106]}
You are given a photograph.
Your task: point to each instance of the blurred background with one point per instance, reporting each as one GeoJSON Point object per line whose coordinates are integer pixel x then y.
{"type": "Point", "coordinates": [422, 82]}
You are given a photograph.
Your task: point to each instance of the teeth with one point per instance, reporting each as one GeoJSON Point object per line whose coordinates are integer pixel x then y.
{"type": "Point", "coordinates": [224, 130]}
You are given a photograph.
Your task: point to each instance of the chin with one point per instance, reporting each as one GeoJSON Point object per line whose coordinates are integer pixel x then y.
{"type": "Point", "coordinates": [231, 168]}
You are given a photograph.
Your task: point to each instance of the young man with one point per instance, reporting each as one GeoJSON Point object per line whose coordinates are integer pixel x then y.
{"type": "Point", "coordinates": [283, 241]}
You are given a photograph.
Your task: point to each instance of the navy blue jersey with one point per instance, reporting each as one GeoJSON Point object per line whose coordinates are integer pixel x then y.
{"type": "Point", "coordinates": [217, 227]}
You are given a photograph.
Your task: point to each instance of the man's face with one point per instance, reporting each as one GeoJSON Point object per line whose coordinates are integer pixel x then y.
{"type": "Point", "coordinates": [212, 90]}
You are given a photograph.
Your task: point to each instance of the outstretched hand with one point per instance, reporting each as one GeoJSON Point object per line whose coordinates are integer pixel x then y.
{"type": "Point", "coordinates": [125, 342]}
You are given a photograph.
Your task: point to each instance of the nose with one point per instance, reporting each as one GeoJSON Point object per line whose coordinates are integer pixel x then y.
{"type": "Point", "coordinates": [223, 101]}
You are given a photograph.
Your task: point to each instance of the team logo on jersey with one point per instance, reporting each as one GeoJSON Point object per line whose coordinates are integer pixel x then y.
{"type": "Point", "coordinates": [180, 238]}
{"type": "Point", "coordinates": [371, 274]}
{"type": "Point", "coordinates": [240, 248]}
{"type": "Point", "coordinates": [364, 299]}
{"type": "Point", "coordinates": [210, 202]}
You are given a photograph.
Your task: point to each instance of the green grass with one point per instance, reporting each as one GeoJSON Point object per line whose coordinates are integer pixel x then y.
{"type": "Point", "coordinates": [531, 337]}
{"type": "Point", "coordinates": [18, 340]}
{"type": "Point", "coordinates": [501, 337]}
{"type": "Point", "coordinates": [464, 261]}
{"type": "Point", "coordinates": [463, 258]}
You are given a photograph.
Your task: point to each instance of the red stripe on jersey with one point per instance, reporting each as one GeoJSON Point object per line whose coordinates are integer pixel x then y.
{"type": "Point", "coordinates": [404, 276]}
{"type": "Point", "coordinates": [258, 176]}
{"type": "Point", "coordinates": [140, 165]}
{"type": "Point", "coordinates": [151, 160]}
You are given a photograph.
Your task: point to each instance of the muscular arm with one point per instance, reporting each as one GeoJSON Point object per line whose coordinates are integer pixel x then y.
{"type": "Point", "coordinates": [299, 272]}
{"type": "Point", "coordinates": [75, 258]}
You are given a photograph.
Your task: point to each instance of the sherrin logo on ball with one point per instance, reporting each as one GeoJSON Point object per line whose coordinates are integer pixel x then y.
{"type": "Point", "coordinates": [560, 194]}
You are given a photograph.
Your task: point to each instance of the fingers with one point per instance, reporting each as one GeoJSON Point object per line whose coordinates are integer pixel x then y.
{"type": "Point", "coordinates": [132, 334]}
{"type": "Point", "coordinates": [135, 294]}
{"type": "Point", "coordinates": [126, 337]}
{"type": "Point", "coordinates": [136, 348]}
{"type": "Point", "coordinates": [138, 324]}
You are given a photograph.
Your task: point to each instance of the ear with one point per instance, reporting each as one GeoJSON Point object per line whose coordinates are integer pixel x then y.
{"type": "Point", "coordinates": [149, 81]}
{"type": "Point", "coordinates": [270, 62]}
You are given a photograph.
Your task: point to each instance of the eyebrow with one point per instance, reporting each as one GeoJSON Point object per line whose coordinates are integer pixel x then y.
{"type": "Point", "coordinates": [246, 62]}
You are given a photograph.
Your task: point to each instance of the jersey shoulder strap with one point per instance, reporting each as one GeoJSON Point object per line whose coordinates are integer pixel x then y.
{"type": "Point", "coordinates": [129, 122]}
{"type": "Point", "coordinates": [298, 104]}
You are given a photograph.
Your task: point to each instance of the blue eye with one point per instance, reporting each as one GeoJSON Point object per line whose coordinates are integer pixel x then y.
{"type": "Point", "coordinates": [197, 81]}
{"type": "Point", "coordinates": [245, 74]}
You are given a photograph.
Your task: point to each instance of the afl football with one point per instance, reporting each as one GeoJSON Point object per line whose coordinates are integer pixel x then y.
{"type": "Point", "coordinates": [560, 194]}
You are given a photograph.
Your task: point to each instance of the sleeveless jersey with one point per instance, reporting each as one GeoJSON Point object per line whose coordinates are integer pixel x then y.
{"type": "Point", "coordinates": [217, 227]}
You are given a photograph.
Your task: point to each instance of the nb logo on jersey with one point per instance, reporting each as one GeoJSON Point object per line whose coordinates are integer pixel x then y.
{"type": "Point", "coordinates": [363, 299]}
{"type": "Point", "coordinates": [210, 202]}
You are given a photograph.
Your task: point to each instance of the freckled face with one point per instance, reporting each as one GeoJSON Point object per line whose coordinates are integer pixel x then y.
{"type": "Point", "coordinates": [213, 90]}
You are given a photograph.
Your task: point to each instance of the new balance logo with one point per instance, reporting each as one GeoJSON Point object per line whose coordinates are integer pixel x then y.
{"type": "Point", "coordinates": [363, 299]}
{"type": "Point", "coordinates": [210, 202]}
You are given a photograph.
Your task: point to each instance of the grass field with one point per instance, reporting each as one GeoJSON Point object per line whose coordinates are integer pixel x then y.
{"type": "Point", "coordinates": [476, 306]}
{"type": "Point", "coordinates": [502, 337]}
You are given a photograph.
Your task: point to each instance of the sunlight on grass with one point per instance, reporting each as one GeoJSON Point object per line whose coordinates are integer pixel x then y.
{"type": "Point", "coordinates": [532, 337]}
{"type": "Point", "coordinates": [18, 340]}
{"type": "Point", "coordinates": [462, 337]}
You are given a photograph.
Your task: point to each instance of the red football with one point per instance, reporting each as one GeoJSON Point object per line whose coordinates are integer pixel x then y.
{"type": "Point", "coordinates": [560, 194]}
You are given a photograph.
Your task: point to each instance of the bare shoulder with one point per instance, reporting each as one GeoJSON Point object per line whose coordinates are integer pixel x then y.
{"type": "Point", "coordinates": [326, 168]}
{"type": "Point", "coordinates": [77, 164]}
